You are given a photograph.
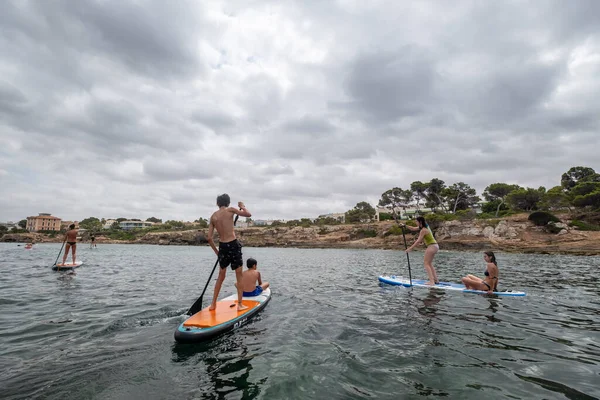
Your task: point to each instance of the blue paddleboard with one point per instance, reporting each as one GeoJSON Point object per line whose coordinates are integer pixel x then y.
{"type": "Point", "coordinates": [421, 283]}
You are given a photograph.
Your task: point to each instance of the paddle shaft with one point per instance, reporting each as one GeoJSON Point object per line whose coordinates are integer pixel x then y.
{"type": "Point", "coordinates": [61, 248]}
{"type": "Point", "coordinates": [197, 306]}
{"type": "Point", "coordinates": [407, 257]}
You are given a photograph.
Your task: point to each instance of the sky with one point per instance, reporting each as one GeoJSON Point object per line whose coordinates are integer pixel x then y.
{"type": "Point", "coordinates": [141, 109]}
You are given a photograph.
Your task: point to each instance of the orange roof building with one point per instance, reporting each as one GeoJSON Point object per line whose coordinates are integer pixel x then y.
{"type": "Point", "coordinates": [43, 222]}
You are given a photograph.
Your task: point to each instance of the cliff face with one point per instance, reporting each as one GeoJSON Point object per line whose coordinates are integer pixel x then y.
{"type": "Point", "coordinates": [514, 234]}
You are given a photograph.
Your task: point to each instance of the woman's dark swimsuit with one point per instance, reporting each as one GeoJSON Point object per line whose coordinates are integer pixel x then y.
{"type": "Point", "coordinates": [230, 253]}
{"type": "Point", "coordinates": [485, 283]}
{"type": "Point", "coordinates": [72, 243]}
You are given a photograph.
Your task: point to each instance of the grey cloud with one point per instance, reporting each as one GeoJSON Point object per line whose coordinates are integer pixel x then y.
{"type": "Point", "coordinates": [12, 100]}
{"type": "Point", "coordinates": [216, 120]}
{"type": "Point", "coordinates": [131, 32]}
{"type": "Point", "coordinates": [500, 97]}
{"type": "Point", "coordinates": [170, 169]}
{"type": "Point", "coordinates": [310, 125]}
{"type": "Point", "coordinates": [390, 85]}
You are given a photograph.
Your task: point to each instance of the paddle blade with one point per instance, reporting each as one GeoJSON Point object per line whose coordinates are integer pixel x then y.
{"type": "Point", "coordinates": [197, 306]}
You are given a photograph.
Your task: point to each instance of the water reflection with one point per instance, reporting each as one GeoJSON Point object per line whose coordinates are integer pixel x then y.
{"type": "Point", "coordinates": [433, 298]}
{"type": "Point", "coordinates": [226, 366]}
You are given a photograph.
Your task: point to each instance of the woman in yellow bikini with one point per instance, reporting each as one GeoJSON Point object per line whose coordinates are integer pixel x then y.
{"type": "Point", "coordinates": [426, 236]}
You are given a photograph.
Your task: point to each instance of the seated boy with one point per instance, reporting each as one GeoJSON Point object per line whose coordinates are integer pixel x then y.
{"type": "Point", "coordinates": [249, 279]}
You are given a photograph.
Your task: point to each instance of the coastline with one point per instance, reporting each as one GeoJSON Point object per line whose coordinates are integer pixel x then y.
{"type": "Point", "coordinates": [514, 234]}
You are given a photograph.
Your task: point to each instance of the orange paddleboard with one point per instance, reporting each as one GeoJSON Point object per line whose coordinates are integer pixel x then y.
{"type": "Point", "coordinates": [207, 324]}
{"type": "Point", "coordinates": [226, 311]}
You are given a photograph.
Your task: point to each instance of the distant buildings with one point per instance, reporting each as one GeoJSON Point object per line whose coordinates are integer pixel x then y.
{"type": "Point", "coordinates": [10, 225]}
{"type": "Point", "coordinates": [108, 223]}
{"type": "Point", "coordinates": [43, 222]}
{"type": "Point", "coordinates": [263, 222]}
{"type": "Point", "coordinates": [129, 225]}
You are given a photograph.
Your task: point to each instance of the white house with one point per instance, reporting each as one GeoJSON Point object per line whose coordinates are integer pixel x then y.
{"type": "Point", "coordinates": [129, 225]}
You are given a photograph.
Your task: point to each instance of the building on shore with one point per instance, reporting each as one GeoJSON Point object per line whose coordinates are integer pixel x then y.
{"type": "Point", "coordinates": [43, 222]}
{"type": "Point", "coordinates": [109, 223]}
{"type": "Point", "coordinates": [129, 225]}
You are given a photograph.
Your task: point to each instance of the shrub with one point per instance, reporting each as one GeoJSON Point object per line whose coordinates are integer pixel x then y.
{"type": "Point", "coordinates": [385, 216]}
{"type": "Point", "coordinates": [121, 235]}
{"type": "Point", "coordinates": [364, 233]}
{"type": "Point", "coordinates": [584, 226]}
{"type": "Point", "coordinates": [394, 230]}
{"type": "Point", "coordinates": [323, 231]}
{"type": "Point", "coordinates": [541, 218]}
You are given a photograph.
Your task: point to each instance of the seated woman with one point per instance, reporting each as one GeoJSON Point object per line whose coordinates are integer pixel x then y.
{"type": "Point", "coordinates": [490, 282]}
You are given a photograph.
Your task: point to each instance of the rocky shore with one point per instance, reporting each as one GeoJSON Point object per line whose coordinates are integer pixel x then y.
{"type": "Point", "coordinates": [510, 234]}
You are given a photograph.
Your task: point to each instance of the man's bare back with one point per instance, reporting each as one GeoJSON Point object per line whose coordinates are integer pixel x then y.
{"type": "Point", "coordinates": [222, 220]}
{"type": "Point", "coordinates": [249, 279]}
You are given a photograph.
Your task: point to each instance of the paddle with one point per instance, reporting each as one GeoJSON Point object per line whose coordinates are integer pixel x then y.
{"type": "Point", "coordinates": [61, 248]}
{"type": "Point", "coordinates": [197, 306]}
{"type": "Point", "coordinates": [407, 257]}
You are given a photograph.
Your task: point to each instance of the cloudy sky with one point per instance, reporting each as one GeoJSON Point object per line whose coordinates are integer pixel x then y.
{"type": "Point", "coordinates": [298, 108]}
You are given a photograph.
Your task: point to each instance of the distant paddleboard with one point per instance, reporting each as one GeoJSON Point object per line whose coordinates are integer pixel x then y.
{"type": "Point", "coordinates": [420, 283]}
{"type": "Point", "coordinates": [67, 266]}
{"type": "Point", "coordinates": [207, 324]}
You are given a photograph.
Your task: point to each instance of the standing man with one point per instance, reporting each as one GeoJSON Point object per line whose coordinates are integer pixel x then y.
{"type": "Point", "coordinates": [230, 249]}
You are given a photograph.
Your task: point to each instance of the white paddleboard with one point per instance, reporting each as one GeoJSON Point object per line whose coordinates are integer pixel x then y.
{"type": "Point", "coordinates": [67, 266]}
{"type": "Point", "coordinates": [421, 283]}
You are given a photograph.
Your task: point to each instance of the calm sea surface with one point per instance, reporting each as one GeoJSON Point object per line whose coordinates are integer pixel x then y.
{"type": "Point", "coordinates": [331, 330]}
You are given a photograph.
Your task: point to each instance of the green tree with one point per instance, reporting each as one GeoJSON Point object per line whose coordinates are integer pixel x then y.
{"type": "Point", "coordinates": [115, 225]}
{"type": "Point", "coordinates": [418, 189]}
{"type": "Point", "coordinates": [555, 199]}
{"type": "Point", "coordinates": [154, 220]}
{"type": "Point", "coordinates": [586, 194]}
{"type": "Point", "coordinates": [497, 192]}
{"type": "Point", "coordinates": [525, 199]}
{"type": "Point", "coordinates": [91, 224]}
{"type": "Point", "coordinates": [202, 222]}
{"type": "Point", "coordinates": [327, 221]}
{"type": "Point", "coordinates": [174, 224]}
{"type": "Point", "coordinates": [583, 188]}
{"type": "Point", "coordinates": [434, 194]}
{"type": "Point", "coordinates": [395, 199]}
{"type": "Point", "coordinates": [460, 196]}
{"type": "Point", "coordinates": [3, 229]}
{"type": "Point", "coordinates": [305, 222]}
{"type": "Point", "coordinates": [591, 199]}
{"type": "Point", "coordinates": [362, 212]}
{"type": "Point", "coordinates": [578, 174]}
{"type": "Point", "coordinates": [23, 224]}
{"type": "Point", "coordinates": [121, 219]}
